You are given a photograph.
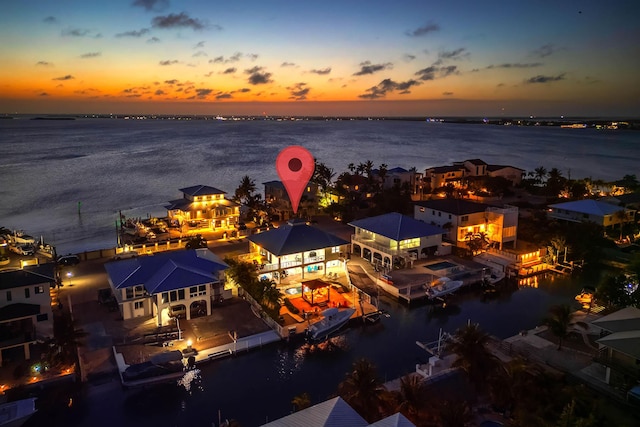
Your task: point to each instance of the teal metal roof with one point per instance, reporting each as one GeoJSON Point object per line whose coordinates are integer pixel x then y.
{"type": "Point", "coordinates": [295, 237]}
{"type": "Point", "coordinates": [397, 227]}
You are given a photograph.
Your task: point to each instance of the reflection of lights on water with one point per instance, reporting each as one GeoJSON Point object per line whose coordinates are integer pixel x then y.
{"type": "Point", "coordinates": [190, 379]}
{"type": "Point", "coordinates": [528, 282]}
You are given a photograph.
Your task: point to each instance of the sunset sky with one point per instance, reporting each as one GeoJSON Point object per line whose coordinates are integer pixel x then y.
{"type": "Point", "coordinates": [419, 58]}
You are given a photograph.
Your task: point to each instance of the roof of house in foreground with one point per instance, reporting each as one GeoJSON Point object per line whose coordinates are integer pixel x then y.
{"type": "Point", "coordinates": [397, 226]}
{"type": "Point", "coordinates": [201, 190]}
{"type": "Point", "coordinates": [295, 237]}
{"type": "Point", "coordinates": [626, 319]}
{"type": "Point", "coordinates": [27, 276]}
{"type": "Point", "coordinates": [166, 271]}
{"type": "Point", "coordinates": [588, 206]}
{"type": "Point", "coordinates": [335, 413]}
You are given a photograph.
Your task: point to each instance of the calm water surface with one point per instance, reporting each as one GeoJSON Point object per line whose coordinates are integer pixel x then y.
{"type": "Point", "coordinates": [136, 167]}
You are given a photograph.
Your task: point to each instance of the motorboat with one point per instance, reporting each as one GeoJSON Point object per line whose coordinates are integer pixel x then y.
{"type": "Point", "coordinates": [493, 277]}
{"type": "Point", "coordinates": [332, 320]}
{"type": "Point", "coordinates": [443, 286]}
{"type": "Point", "coordinates": [585, 297]}
{"type": "Point", "coordinates": [16, 413]}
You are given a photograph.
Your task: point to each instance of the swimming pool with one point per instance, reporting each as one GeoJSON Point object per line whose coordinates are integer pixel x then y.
{"type": "Point", "coordinates": [442, 265]}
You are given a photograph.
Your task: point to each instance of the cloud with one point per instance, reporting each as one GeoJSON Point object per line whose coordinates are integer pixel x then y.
{"type": "Point", "coordinates": [233, 58]}
{"type": "Point", "coordinates": [181, 20]}
{"type": "Point", "coordinates": [544, 79]}
{"type": "Point", "coordinates": [447, 93]}
{"type": "Point", "coordinates": [171, 82]}
{"type": "Point", "coordinates": [209, 74]}
{"type": "Point", "coordinates": [545, 50]}
{"type": "Point", "coordinates": [203, 93]}
{"type": "Point", "coordinates": [230, 70]}
{"type": "Point", "coordinates": [151, 5]}
{"type": "Point", "coordinates": [288, 64]}
{"type": "Point", "coordinates": [224, 96]}
{"type": "Point", "coordinates": [133, 33]}
{"type": "Point", "coordinates": [408, 57]}
{"type": "Point", "coordinates": [387, 86]}
{"type": "Point", "coordinates": [298, 91]}
{"type": "Point", "coordinates": [199, 53]}
{"type": "Point", "coordinates": [160, 92]}
{"type": "Point", "coordinates": [434, 72]}
{"type": "Point", "coordinates": [43, 94]}
{"type": "Point", "coordinates": [424, 30]}
{"type": "Point", "coordinates": [169, 62]}
{"type": "Point", "coordinates": [453, 55]}
{"type": "Point", "coordinates": [516, 65]}
{"type": "Point", "coordinates": [90, 55]}
{"type": "Point", "coordinates": [80, 32]}
{"type": "Point", "coordinates": [67, 77]}
{"type": "Point", "coordinates": [153, 40]}
{"type": "Point", "coordinates": [88, 91]}
{"type": "Point", "coordinates": [322, 72]}
{"type": "Point", "coordinates": [257, 76]}
{"type": "Point", "coordinates": [50, 20]}
{"type": "Point", "coordinates": [199, 44]}
{"type": "Point", "coordinates": [252, 56]}
{"type": "Point", "coordinates": [44, 64]}
{"type": "Point", "coordinates": [367, 67]}
{"type": "Point", "coordinates": [244, 90]}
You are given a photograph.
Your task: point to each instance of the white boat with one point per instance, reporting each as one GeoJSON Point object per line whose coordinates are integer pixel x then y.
{"type": "Point", "coordinates": [332, 320]}
{"type": "Point", "coordinates": [15, 414]}
{"type": "Point", "coordinates": [493, 277]}
{"type": "Point", "coordinates": [443, 286]}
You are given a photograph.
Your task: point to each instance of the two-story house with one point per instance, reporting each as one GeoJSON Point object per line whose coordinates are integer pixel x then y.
{"type": "Point", "coordinates": [394, 240]}
{"type": "Point", "coordinates": [440, 176]}
{"type": "Point", "coordinates": [166, 284]}
{"type": "Point", "coordinates": [277, 198]}
{"type": "Point", "coordinates": [296, 248]}
{"type": "Point", "coordinates": [205, 205]}
{"type": "Point", "coordinates": [25, 307]}
{"type": "Point", "coordinates": [619, 347]}
{"type": "Point", "coordinates": [462, 218]}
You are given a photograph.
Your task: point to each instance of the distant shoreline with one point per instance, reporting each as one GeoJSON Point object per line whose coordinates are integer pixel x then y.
{"type": "Point", "coordinates": [589, 122]}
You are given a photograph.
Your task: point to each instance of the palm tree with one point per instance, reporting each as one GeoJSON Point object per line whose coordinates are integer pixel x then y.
{"type": "Point", "coordinates": [301, 401]}
{"type": "Point", "coordinates": [363, 390]}
{"type": "Point", "coordinates": [469, 343]}
{"type": "Point", "coordinates": [411, 399]}
{"type": "Point", "coordinates": [560, 321]}
{"type": "Point", "coordinates": [454, 413]}
{"type": "Point", "coordinates": [540, 174]}
{"type": "Point", "coordinates": [245, 190]}
{"type": "Point", "coordinates": [351, 167]}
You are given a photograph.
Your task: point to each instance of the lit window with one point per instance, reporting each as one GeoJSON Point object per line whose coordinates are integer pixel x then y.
{"type": "Point", "coordinates": [138, 305]}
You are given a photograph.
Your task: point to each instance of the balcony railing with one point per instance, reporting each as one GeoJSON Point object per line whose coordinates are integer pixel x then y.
{"type": "Point", "coordinates": [604, 359]}
{"type": "Point", "coordinates": [385, 249]}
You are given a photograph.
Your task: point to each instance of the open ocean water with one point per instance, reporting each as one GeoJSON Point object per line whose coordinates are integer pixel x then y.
{"type": "Point", "coordinates": [48, 167]}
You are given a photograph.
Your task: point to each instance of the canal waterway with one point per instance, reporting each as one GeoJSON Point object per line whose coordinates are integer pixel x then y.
{"type": "Point", "coordinates": [258, 386]}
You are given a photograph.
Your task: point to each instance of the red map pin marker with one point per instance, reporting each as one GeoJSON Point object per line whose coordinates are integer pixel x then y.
{"type": "Point", "coordinates": [295, 166]}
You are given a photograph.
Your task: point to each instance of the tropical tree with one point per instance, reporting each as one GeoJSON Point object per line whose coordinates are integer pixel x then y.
{"type": "Point", "coordinates": [511, 384]}
{"type": "Point", "coordinates": [245, 190]}
{"type": "Point", "coordinates": [364, 391]}
{"type": "Point", "coordinates": [322, 175]}
{"type": "Point", "coordinates": [454, 413]}
{"type": "Point", "coordinates": [301, 401]}
{"type": "Point", "coordinates": [270, 296]}
{"type": "Point", "coordinates": [411, 399]}
{"type": "Point", "coordinates": [540, 174]}
{"type": "Point", "coordinates": [469, 343]}
{"type": "Point", "coordinates": [555, 182]}
{"type": "Point", "coordinates": [612, 291]}
{"type": "Point", "coordinates": [560, 322]}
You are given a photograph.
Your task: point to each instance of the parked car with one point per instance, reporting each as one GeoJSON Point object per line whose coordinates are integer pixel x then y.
{"type": "Point", "coordinates": [69, 260]}
{"type": "Point", "coordinates": [179, 311]}
{"type": "Point", "coordinates": [241, 226]}
{"type": "Point", "coordinates": [22, 249]}
{"type": "Point", "coordinates": [125, 255]}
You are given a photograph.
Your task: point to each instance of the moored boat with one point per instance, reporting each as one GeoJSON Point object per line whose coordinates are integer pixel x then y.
{"type": "Point", "coordinates": [332, 320]}
{"type": "Point", "coordinates": [443, 286]}
{"type": "Point", "coordinates": [16, 413]}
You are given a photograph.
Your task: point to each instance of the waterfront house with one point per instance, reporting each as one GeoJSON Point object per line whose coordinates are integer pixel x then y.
{"type": "Point", "coordinates": [183, 283]}
{"type": "Point", "coordinates": [205, 207]}
{"type": "Point", "coordinates": [619, 347]}
{"type": "Point", "coordinates": [25, 307]}
{"type": "Point", "coordinates": [587, 210]}
{"type": "Point", "coordinates": [295, 248]}
{"type": "Point", "coordinates": [336, 413]}
{"type": "Point", "coordinates": [277, 198]}
{"type": "Point", "coordinates": [394, 240]}
{"type": "Point", "coordinates": [440, 176]}
{"type": "Point", "coordinates": [463, 218]}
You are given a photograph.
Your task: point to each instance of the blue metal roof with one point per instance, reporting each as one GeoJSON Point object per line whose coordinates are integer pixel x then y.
{"type": "Point", "coordinates": [166, 271]}
{"type": "Point", "coordinates": [397, 226]}
{"type": "Point", "coordinates": [295, 237]}
{"type": "Point", "coordinates": [588, 206]}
